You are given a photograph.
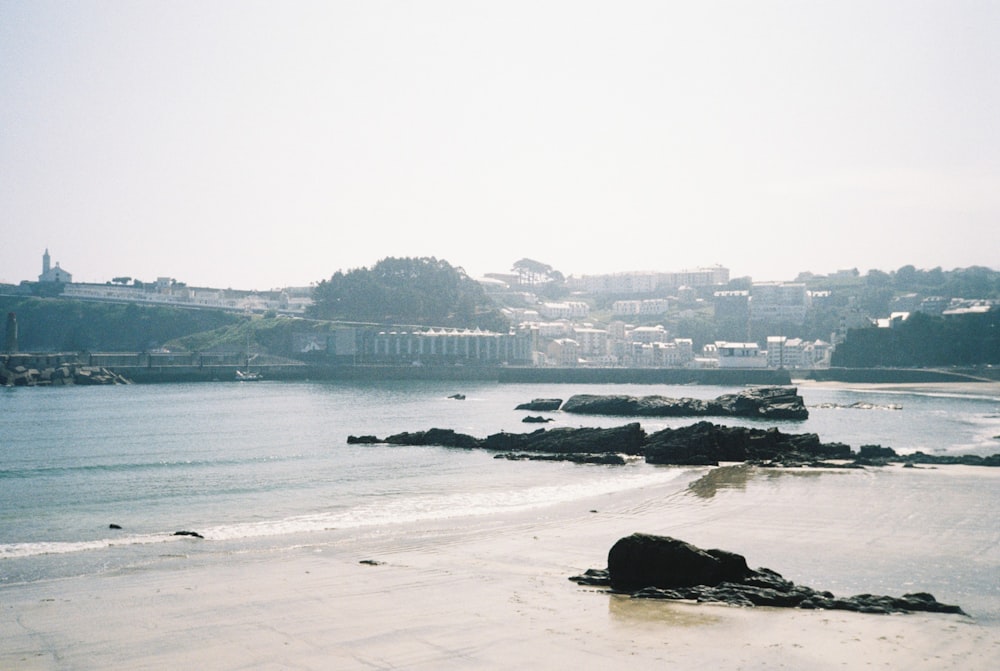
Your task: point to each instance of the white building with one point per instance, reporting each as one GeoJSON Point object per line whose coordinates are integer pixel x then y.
{"type": "Point", "coordinates": [56, 274]}
{"type": "Point", "coordinates": [779, 302]}
{"type": "Point", "coordinates": [740, 355]}
{"type": "Point", "coordinates": [565, 310]}
{"type": "Point", "coordinates": [647, 334]}
{"type": "Point", "coordinates": [564, 352]}
{"type": "Point", "coordinates": [647, 307]}
{"type": "Point", "coordinates": [558, 329]}
{"type": "Point", "coordinates": [647, 282]}
{"type": "Point", "coordinates": [593, 342]}
{"type": "Point", "coordinates": [785, 352]}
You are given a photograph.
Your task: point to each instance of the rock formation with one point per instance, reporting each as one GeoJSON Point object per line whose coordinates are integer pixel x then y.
{"type": "Point", "coordinates": [699, 444]}
{"type": "Point", "coordinates": [627, 439]}
{"type": "Point", "coordinates": [541, 405]}
{"type": "Point", "coordinates": [758, 402]}
{"type": "Point", "coordinates": [707, 444]}
{"type": "Point", "coordinates": [63, 374]}
{"type": "Point", "coordinates": [660, 567]}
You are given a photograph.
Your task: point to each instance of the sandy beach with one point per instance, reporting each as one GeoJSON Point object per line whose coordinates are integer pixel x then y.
{"type": "Point", "coordinates": [471, 593]}
{"type": "Point", "coordinates": [982, 388]}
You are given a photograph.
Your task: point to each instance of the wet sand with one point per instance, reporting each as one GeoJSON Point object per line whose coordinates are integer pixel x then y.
{"type": "Point", "coordinates": [984, 388]}
{"type": "Point", "coordinates": [471, 593]}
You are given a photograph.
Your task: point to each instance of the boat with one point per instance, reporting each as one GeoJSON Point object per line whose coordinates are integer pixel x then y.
{"type": "Point", "coordinates": [248, 375]}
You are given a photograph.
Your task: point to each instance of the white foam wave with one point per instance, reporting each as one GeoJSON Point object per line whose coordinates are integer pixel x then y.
{"type": "Point", "coordinates": [374, 512]}
{"type": "Point", "coordinates": [405, 509]}
{"type": "Point", "coordinates": [18, 550]}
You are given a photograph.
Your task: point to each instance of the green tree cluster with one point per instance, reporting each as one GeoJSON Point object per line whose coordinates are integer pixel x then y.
{"type": "Point", "coordinates": [923, 341]}
{"type": "Point", "coordinates": [421, 291]}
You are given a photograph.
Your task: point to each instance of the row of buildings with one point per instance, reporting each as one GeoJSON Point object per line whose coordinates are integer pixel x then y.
{"type": "Point", "coordinates": [169, 292]}
{"type": "Point", "coordinates": [577, 346]}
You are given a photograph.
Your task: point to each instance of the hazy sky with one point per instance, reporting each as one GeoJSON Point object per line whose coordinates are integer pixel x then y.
{"type": "Point", "coordinates": [263, 144]}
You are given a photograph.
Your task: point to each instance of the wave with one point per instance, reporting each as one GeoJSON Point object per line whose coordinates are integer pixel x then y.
{"type": "Point", "coordinates": [377, 511]}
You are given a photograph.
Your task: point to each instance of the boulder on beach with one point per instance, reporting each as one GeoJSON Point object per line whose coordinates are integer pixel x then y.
{"type": "Point", "coordinates": [645, 560]}
{"type": "Point", "coordinates": [660, 567]}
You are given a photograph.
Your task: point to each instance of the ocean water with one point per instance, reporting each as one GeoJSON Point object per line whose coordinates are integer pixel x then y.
{"type": "Point", "coordinates": [265, 466]}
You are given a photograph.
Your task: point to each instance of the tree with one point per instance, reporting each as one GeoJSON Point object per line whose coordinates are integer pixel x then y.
{"type": "Point", "coordinates": [532, 272]}
{"type": "Point", "coordinates": [407, 291]}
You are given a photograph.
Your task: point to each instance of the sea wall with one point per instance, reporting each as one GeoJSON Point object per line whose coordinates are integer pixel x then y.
{"type": "Point", "coordinates": [501, 374]}
{"type": "Point", "coordinates": [672, 376]}
{"type": "Point", "coordinates": [31, 370]}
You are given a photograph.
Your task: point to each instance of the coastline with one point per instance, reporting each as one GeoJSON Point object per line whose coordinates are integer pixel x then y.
{"type": "Point", "coordinates": [982, 388]}
{"type": "Point", "coordinates": [489, 592]}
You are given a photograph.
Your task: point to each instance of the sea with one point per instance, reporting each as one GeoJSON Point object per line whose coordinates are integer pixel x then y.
{"type": "Point", "coordinates": [96, 480]}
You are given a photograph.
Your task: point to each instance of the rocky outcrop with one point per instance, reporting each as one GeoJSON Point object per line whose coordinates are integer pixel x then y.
{"type": "Point", "coordinates": [758, 402]}
{"type": "Point", "coordinates": [541, 405]}
{"type": "Point", "coordinates": [63, 374]}
{"type": "Point", "coordinates": [699, 444]}
{"type": "Point", "coordinates": [573, 444]}
{"type": "Point", "coordinates": [642, 560]}
{"type": "Point", "coordinates": [627, 439]}
{"type": "Point", "coordinates": [661, 567]}
{"type": "Point", "coordinates": [707, 444]}
{"type": "Point", "coordinates": [607, 458]}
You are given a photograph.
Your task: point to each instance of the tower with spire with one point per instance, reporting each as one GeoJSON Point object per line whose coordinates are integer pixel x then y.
{"type": "Point", "coordinates": [50, 274]}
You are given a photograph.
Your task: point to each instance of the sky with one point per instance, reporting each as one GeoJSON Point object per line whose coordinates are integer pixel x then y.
{"type": "Point", "coordinates": [257, 145]}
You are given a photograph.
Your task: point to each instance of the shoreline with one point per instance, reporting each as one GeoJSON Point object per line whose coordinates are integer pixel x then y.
{"type": "Point", "coordinates": [983, 388]}
{"type": "Point", "coordinates": [484, 592]}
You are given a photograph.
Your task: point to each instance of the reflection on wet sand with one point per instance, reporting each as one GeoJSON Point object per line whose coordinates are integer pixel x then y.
{"type": "Point", "coordinates": [630, 612]}
{"type": "Point", "coordinates": [737, 476]}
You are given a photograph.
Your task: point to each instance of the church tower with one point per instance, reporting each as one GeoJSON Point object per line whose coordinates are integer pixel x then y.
{"type": "Point", "coordinates": [46, 262]}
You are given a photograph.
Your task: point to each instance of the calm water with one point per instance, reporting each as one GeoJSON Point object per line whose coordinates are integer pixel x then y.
{"type": "Point", "coordinates": [267, 466]}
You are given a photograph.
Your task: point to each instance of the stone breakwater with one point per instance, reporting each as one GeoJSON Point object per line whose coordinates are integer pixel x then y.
{"type": "Point", "coordinates": [660, 567]}
{"type": "Point", "coordinates": [57, 375]}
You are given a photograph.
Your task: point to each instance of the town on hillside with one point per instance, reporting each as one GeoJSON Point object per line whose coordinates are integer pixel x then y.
{"type": "Point", "coordinates": [700, 318]}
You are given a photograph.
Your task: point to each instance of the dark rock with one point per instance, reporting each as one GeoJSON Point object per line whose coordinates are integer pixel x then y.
{"type": "Point", "coordinates": [590, 445]}
{"type": "Point", "coordinates": [188, 533]}
{"type": "Point", "coordinates": [541, 404]}
{"type": "Point", "coordinates": [758, 402]}
{"type": "Point", "coordinates": [704, 443]}
{"type": "Point", "coordinates": [593, 576]}
{"type": "Point", "coordinates": [442, 437]}
{"type": "Point", "coordinates": [643, 560]}
{"type": "Point", "coordinates": [660, 567]}
{"type": "Point", "coordinates": [363, 440]}
{"type": "Point", "coordinates": [535, 419]}
{"type": "Point", "coordinates": [610, 458]}
{"type": "Point", "coordinates": [114, 526]}
{"type": "Point", "coordinates": [627, 439]}
{"type": "Point", "coordinates": [876, 452]}
{"type": "Point", "coordinates": [699, 444]}
{"type": "Point", "coordinates": [949, 459]}
{"type": "Point", "coordinates": [458, 397]}
{"type": "Point", "coordinates": [371, 562]}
